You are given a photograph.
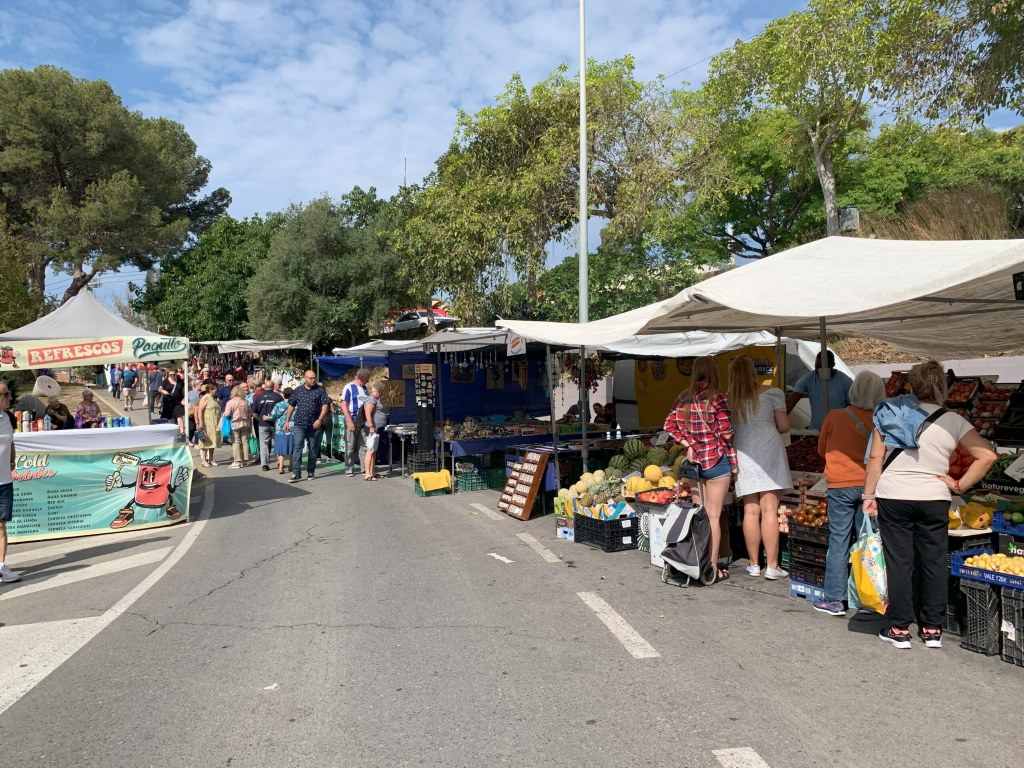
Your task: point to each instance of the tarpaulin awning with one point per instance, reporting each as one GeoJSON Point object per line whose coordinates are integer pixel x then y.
{"type": "Point", "coordinates": [84, 332]}
{"type": "Point", "coordinates": [251, 345]}
{"type": "Point", "coordinates": [335, 366]}
{"type": "Point", "coordinates": [927, 297]}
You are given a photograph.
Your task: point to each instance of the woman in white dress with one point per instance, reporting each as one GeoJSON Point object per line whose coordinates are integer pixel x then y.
{"type": "Point", "coordinates": [759, 419]}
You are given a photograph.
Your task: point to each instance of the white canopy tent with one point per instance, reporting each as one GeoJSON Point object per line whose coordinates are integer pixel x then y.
{"type": "Point", "coordinates": [941, 298]}
{"type": "Point", "coordinates": [84, 332]}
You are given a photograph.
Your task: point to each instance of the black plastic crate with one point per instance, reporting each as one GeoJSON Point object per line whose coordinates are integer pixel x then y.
{"type": "Point", "coordinates": [956, 608]}
{"type": "Point", "coordinates": [808, 533]}
{"type": "Point", "coordinates": [495, 477]}
{"type": "Point", "coordinates": [981, 624]}
{"type": "Point", "coordinates": [806, 553]}
{"type": "Point", "coordinates": [961, 543]}
{"type": "Point", "coordinates": [609, 535]}
{"type": "Point", "coordinates": [1013, 616]}
{"type": "Point", "coordinates": [807, 574]}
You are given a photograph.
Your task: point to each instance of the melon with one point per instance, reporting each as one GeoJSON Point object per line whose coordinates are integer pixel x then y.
{"type": "Point", "coordinates": [619, 462]}
{"type": "Point", "coordinates": [658, 456]}
{"type": "Point", "coordinates": [652, 472]}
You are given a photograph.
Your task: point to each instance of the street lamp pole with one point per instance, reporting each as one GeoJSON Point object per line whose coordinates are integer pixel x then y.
{"type": "Point", "coordinates": [584, 295]}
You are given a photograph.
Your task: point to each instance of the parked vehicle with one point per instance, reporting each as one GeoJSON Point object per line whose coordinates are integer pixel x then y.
{"type": "Point", "coordinates": [418, 318]}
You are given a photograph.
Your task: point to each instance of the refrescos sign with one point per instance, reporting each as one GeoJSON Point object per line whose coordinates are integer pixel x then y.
{"type": "Point", "coordinates": [64, 352]}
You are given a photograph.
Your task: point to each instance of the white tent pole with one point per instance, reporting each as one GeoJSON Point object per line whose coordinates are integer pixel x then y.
{"type": "Point", "coordinates": [584, 407]}
{"type": "Point", "coordinates": [780, 374]}
{"type": "Point", "coordinates": [826, 372]}
{"type": "Point", "coordinates": [184, 401]}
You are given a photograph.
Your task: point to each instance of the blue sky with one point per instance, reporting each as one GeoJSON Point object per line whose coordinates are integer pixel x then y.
{"type": "Point", "coordinates": [290, 99]}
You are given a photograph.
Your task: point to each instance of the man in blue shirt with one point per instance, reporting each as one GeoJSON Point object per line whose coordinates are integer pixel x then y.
{"type": "Point", "coordinates": [128, 381]}
{"type": "Point", "coordinates": [811, 386]}
{"type": "Point", "coordinates": [223, 394]}
{"type": "Point", "coordinates": [353, 398]}
{"type": "Point", "coordinates": [307, 409]}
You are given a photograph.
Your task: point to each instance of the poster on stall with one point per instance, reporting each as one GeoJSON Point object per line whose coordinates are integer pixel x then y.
{"type": "Point", "coordinates": [79, 493]}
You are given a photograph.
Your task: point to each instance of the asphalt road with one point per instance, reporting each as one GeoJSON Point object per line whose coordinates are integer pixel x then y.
{"type": "Point", "coordinates": [337, 622]}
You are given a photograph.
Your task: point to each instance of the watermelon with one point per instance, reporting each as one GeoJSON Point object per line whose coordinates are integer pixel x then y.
{"type": "Point", "coordinates": [638, 465]}
{"type": "Point", "coordinates": [658, 457]}
{"type": "Point", "coordinates": [634, 449]}
{"type": "Point", "coordinates": [619, 462]}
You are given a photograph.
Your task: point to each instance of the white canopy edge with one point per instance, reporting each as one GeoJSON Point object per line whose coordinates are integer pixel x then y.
{"type": "Point", "coordinates": [81, 317]}
{"type": "Point", "coordinates": [251, 345]}
{"type": "Point", "coordinates": [940, 298]}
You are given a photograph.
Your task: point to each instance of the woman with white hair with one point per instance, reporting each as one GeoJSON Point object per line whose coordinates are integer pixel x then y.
{"type": "Point", "coordinates": [843, 441]}
{"type": "Point", "coordinates": [376, 423]}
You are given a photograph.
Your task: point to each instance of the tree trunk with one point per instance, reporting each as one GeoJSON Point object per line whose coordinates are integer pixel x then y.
{"type": "Point", "coordinates": [827, 178]}
{"type": "Point", "coordinates": [37, 284]}
{"type": "Point", "coordinates": [78, 281]}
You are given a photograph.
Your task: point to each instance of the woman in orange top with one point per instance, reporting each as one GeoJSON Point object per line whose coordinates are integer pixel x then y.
{"type": "Point", "coordinates": [843, 441]}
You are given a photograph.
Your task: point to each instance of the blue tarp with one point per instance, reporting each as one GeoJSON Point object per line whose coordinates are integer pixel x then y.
{"type": "Point", "coordinates": [473, 397]}
{"type": "Point", "coordinates": [335, 366]}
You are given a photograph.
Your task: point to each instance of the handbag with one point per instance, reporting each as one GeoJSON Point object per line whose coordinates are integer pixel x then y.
{"type": "Point", "coordinates": [225, 427]}
{"type": "Point", "coordinates": [200, 435]}
{"type": "Point", "coordinates": [868, 586]}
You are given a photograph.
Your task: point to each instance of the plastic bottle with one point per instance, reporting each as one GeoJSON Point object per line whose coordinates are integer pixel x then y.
{"type": "Point", "coordinates": [17, 425]}
{"type": "Point", "coordinates": [47, 423]}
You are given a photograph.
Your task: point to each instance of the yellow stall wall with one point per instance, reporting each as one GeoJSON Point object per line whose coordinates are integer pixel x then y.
{"type": "Point", "coordinates": [657, 383]}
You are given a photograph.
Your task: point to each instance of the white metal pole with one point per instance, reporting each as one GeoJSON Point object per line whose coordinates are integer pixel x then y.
{"type": "Point", "coordinates": [584, 291]}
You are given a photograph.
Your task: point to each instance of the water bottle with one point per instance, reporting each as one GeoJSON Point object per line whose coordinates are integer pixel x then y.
{"type": "Point", "coordinates": [618, 434]}
{"type": "Point", "coordinates": [47, 423]}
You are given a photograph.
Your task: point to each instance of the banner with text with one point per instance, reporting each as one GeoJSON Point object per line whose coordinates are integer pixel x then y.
{"type": "Point", "coordinates": [60, 353]}
{"type": "Point", "coordinates": [78, 493]}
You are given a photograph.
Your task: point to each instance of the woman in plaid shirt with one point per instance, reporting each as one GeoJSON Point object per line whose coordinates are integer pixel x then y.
{"type": "Point", "coordinates": [700, 421]}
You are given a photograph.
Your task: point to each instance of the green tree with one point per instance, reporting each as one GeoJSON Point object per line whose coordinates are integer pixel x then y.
{"type": "Point", "coordinates": [89, 186]}
{"type": "Point", "coordinates": [16, 305]}
{"type": "Point", "coordinates": [970, 64]}
{"type": "Point", "coordinates": [823, 67]}
{"type": "Point", "coordinates": [201, 292]}
{"type": "Point", "coordinates": [332, 274]}
{"type": "Point", "coordinates": [759, 193]}
{"type": "Point", "coordinates": [507, 188]}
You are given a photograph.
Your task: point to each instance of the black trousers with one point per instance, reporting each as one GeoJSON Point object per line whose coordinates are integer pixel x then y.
{"type": "Point", "coordinates": [915, 530]}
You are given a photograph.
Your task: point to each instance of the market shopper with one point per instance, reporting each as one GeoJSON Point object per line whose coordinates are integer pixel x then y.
{"type": "Point", "coordinates": [153, 381]}
{"type": "Point", "coordinates": [908, 486]}
{"type": "Point", "coordinates": [240, 414]}
{"type": "Point", "coordinates": [352, 399]}
{"type": "Point", "coordinates": [307, 409]}
{"type": "Point", "coordinates": [376, 419]}
{"type": "Point", "coordinates": [116, 373]}
{"type": "Point", "coordinates": [263, 404]}
{"type": "Point", "coordinates": [759, 420]}
{"type": "Point", "coordinates": [7, 424]}
{"type": "Point", "coordinates": [701, 422]}
{"type": "Point", "coordinates": [129, 379]}
{"type": "Point", "coordinates": [283, 443]}
{"type": "Point", "coordinates": [843, 442]}
{"type": "Point", "coordinates": [811, 386]}
{"type": "Point", "coordinates": [208, 415]}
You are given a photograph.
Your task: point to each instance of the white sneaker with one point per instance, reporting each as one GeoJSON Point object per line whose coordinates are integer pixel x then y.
{"type": "Point", "coordinates": [7, 576]}
{"type": "Point", "coordinates": [753, 570]}
{"type": "Point", "coordinates": [775, 573]}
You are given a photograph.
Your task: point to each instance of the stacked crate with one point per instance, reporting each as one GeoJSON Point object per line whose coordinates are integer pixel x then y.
{"type": "Point", "coordinates": [808, 548]}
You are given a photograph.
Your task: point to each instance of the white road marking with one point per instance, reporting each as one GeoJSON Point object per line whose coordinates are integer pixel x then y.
{"type": "Point", "coordinates": [491, 513]}
{"type": "Point", "coordinates": [16, 556]}
{"type": "Point", "coordinates": [88, 572]}
{"type": "Point", "coordinates": [496, 556]}
{"type": "Point", "coordinates": [623, 632]}
{"type": "Point", "coordinates": [540, 549]}
{"type": "Point", "coordinates": [742, 757]}
{"type": "Point", "coordinates": [30, 652]}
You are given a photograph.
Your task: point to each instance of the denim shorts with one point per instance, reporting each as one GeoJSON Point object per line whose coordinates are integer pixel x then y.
{"type": "Point", "coordinates": [6, 502]}
{"type": "Point", "coordinates": [721, 468]}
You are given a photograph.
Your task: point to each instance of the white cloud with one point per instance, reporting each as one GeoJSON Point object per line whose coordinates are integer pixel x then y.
{"type": "Point", "coordinates": [293, 98]}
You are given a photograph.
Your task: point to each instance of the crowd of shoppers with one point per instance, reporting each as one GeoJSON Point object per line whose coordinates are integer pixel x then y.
{"type": "Point", "coordinates": [884, 458]}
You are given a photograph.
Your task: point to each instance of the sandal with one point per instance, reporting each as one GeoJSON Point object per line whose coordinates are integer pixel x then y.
{"type": "Point", "coordinates": [723, 575]}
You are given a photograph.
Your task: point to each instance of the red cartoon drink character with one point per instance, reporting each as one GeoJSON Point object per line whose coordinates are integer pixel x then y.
{"type": "Point", "coordinates": [7, 356]}
{"type": "Point", "coordinates": [153, 486]}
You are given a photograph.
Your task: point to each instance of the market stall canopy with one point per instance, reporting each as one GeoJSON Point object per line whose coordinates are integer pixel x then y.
{"type": "Point", "coordinates": [593, 334]}
{"type": "Point", "coordinates": [927, 297]}
{"type": "Point", "coordinates": [377, 347]}
{"type": "Point", "coordinates": [251, 345]}
{"type": "Point", "coordinates": [84, 332]}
